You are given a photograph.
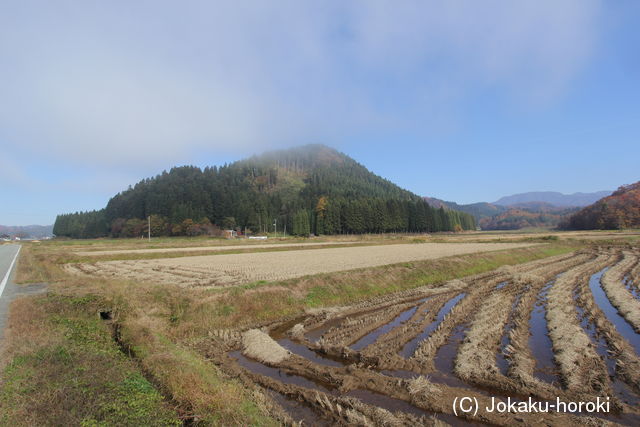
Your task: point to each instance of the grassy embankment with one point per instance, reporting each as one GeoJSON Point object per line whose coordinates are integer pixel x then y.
{"type": "Point", "coordinates": [162, 327]}
{"type": "Point", "coordinates": [62, 367]}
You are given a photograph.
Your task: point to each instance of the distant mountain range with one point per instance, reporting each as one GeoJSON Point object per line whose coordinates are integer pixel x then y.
{"type": "Point", "coordinates": [534, 209]}
{"type": "Point", "coordinates": [478, 210]}
{"type": "Point", "coordinates": [27, 231]}
{"type": "Point", "coordinates": [553, 198]}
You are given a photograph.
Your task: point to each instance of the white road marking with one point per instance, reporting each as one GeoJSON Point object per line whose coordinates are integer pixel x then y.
{"type": "Point", "coordinates": [6, 276]}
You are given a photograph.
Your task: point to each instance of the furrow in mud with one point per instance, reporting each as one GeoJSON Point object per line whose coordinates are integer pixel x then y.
{"type": "Point", "coordinates": [423, 357]}
{"type": "Point", "coordinates": [524, 273]}
{"type": "Point", "coordinates": [581, 368]}
{"type": "Point", "coordinates": [353, 329]}
{"type": "Point", "coordinates": [634, 277]}
{"type": "Point", "coordinates": [406, 399]}
{"type": "Point", "coordinates": [621, 390]}
{"type": "Point", "coordinates": [337, 410]}
{"type": "Point", "coordinates": [629, 286]}
{"type": "Point", "coordinates": [346, 364]}
{"type": "Point", "coordinates": [320, 321]}
{"type": "Point", "coordinates": [600, 312]}
{"type": "Point", "coordinates": [438, 316]}
{"type": "Point", "coordinates": [476, 358]}
{"type": "Point", "coordinates": [611, 313]}
{"type": "Point", "coordinates": [522, 361]}
{"type": "Point", "coordinates": [502, 360]}
{"type": "Point", "coordinates": [540, 341]}
{"type": "Point", "coordinates": [620, 297]}
{"type": "Point", "coordinates": [389, 344]}
{"type": "Point", "coordinates": [372, 337]}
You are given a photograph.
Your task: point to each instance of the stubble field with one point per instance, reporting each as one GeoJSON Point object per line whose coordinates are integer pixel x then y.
{"type": "Point", "coordinates": [388, 332]}
{"type": "Point", "coordinates": [235, 269]}
{"type": "Point", "coordinates": [562, 327]}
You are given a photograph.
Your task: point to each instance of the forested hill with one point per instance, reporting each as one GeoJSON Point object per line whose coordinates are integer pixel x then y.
{"type": "Point", "coordinates": [518, 218]}
{"type": "Point", "coordinates": [309, 189]}
{"type": "Point", "coordinates": [619, 210]}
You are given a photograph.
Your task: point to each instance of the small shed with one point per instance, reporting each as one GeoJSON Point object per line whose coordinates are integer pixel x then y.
{"type": "Point", "coordinates": [230, 234]}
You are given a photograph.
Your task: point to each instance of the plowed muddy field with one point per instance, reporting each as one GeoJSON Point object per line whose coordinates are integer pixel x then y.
{"type": "Point", "coordinates": [234, 269]}
{"type": "Point", "coordinates": [563, 328]}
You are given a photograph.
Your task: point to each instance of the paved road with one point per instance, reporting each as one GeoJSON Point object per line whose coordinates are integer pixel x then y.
{"type": "Point", "coordinates": [8, 290]}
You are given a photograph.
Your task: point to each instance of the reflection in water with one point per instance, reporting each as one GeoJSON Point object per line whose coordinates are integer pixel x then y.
{"type": "Point", "coordinates": [540, 342]}
{"type": "Point", "coordinates": [410, 348]}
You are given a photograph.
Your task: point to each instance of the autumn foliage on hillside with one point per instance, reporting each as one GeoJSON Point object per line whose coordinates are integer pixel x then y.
{"type": "Point", "coordinates": [516, 218]}
{"type": "Point", "coordinates": [617, 211]}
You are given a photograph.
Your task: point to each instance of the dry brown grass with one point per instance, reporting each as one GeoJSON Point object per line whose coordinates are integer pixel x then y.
{"type": "Point", "coordinates": [199, 387]}
{"type": "Point", "coordinates": [621, 298]}
{"type": "Point", "coordinates": [227, 247]}
{"type": "Point", "coordinates": [260, 346]}
{"type": "Point", "coordinates": [234, 269]}
{"type": "Point", "coordinates": [582, 368]}
{"type": "Point", "coordinates": [363, 373]}
{"type": "Point", "coordinates": [477, 355]}
{"type": "Point", "coordinates": [37, 264]}
{"type": "Point", "coordinates": [627, 361]}
{"type": "Point", "coordinates": [163, 325]}
{"type": "Point", "coordinates": [521, 360]}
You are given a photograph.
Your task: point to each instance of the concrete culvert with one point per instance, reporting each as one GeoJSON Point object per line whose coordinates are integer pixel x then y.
{"type": "Point", "coordinates": [105, 315]}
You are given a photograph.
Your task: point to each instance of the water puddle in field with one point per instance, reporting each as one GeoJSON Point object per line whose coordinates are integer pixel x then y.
{"type": "Point", "coordinates": [303, 351]}
{"type": "Point", "coordinates": [501, 356]}
{"type": "Point", "coordinates": [298, 410]}
{"type": "Point", "coordinates": [628, 283]}
{"type": "Point", "coordinates": [281, 330]}
{"type": "Point", "coordinates": [400, 373]}
{"type": "Point", "coordinates": [410, 348]}
{"type": "Point", "coordinates": [540, 342]}
{"type": "Point", "coordinates": [392, 404]}
{"type": "Point", "coordinates": [611, 313]}
{"type": "Point", "coordinates": [444, 363]}
{"type": "Point", "coordinates": [386, 402]}
{"type": "Point", "coordinates": [371, 337]}
{"type": "Point", "coordinates": [621, 390]}
{"type": "Point", "coordinates": [445, 359]}
{"type": "Point", "coordinates": [315, 334]}
{"type": "Point", "coordinates": [280, 375]}
{"type": "Point", "coordinates": [501, 285]}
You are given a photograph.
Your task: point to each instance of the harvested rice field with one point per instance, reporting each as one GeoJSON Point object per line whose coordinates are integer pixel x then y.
{"type": "Point", "coordinates": [209, 248]}
{"type": "Point", "coordinates": [236, 269]}
{"type": "Point", "coordinates": [564, 327]}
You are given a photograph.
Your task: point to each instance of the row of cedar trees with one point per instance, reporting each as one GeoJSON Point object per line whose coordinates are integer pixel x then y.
{"type": "Point", "coordinates": [343, 217]}
{"type": "Point", "coordinates": [310, 189]}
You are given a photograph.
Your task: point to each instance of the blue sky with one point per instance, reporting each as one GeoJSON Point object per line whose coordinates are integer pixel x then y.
{"type": "Point", "coordinates": [464, 101]}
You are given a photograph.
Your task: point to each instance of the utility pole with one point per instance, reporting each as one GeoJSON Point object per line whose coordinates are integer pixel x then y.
{"type": "Point", "coordinates": [149, 218]}
{"type": "Point", "coordinates": [275, 226]}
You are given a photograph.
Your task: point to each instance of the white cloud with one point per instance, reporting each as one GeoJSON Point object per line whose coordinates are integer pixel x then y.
{"type": "Point", "coordinates": [539, 43]}
{"type": "Point", "coordinates": [127, 84]}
